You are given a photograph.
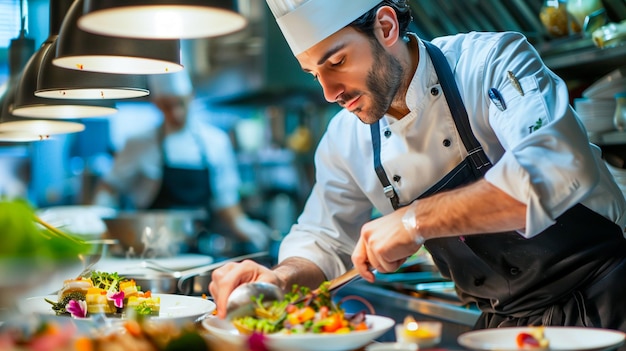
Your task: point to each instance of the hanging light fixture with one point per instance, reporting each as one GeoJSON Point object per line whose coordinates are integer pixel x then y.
{"type": "Point", "coordinates": [56, 82]}
{"type": "Point", "coordinates": [13, 129]}
{"type": "Point", "coordinates": [81, 50]}
{"type": "Point", "coordinates": [26, 104]}
{"type": "Point", "coordinates": [161, 19]}
{"type": "Point", "coordinates": [36, 130]}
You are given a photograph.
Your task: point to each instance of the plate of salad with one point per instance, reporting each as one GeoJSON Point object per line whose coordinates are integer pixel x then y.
{"type": "Point", "coordinates": [115, 297]}
{"type": "Point", "coordinates": [302, 321]}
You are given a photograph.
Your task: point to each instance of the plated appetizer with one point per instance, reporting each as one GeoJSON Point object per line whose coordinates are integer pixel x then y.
{"type": "Point", "coordinates": [301, 312]}
{"type": "Point", "coordinates": [106, 293]}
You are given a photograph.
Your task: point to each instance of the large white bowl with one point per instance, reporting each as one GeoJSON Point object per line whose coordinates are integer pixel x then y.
{"type": "Point", "coordinates": [227, 332]}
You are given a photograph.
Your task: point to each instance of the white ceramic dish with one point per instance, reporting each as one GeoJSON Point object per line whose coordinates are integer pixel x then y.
{"type": "Point", "coordinates": [225, 331]}
{"type": "Point", "coordinates": [607, 86]}
{"type": "Point", "coordinates": [175, 308]}
{"type": "Point", "coordinates": [561, 338]}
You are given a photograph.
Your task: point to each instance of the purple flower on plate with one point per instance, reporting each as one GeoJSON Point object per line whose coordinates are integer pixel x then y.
{"type": "Point", "coordinates": [256, 342]}
{"type": "Point", "coordinates": [117, 298]}
{"type": "Point", "coordinates": [77, 308]}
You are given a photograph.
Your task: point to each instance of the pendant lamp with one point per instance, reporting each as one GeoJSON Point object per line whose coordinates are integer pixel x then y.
{"type": "Point", "coordinates": [13, 129]}
{"type": "Point", "coordinates": [80, 50]}
{"type": "Point", "coordinates": [162, 19]}
{"type": "Point", "coordinates": [36, 130]}
{"type": "Point", "coordinates": [56, 82]}
{"type": "Point", "coordinates": [26, 104]}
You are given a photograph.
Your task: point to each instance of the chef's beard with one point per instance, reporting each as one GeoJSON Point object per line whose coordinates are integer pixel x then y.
{"type": "Point", "coordinates": [383, 82]}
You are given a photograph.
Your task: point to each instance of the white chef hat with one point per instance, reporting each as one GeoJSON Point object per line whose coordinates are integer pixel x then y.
{"type": "Point", "coordinates": [170, 84]}
{"type": "Point", "coordinates": [305, 23]}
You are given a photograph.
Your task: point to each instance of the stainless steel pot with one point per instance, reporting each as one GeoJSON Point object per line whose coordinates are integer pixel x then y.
{"type": "Point", "coordinates": [155, 233]}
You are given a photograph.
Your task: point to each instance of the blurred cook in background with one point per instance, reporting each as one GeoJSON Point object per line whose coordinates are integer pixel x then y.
{"type": "Point", "coordinates": [183, 163]}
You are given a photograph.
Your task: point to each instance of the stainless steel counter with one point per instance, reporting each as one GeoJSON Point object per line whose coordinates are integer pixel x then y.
{"type": "Point", "coordinates": [456, 319]}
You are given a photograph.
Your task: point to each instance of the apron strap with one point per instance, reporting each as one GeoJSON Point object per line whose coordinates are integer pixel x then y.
{"type": "Point", "coordinates": [479, 161]}
{"type": "Point", "coordinates": [457, 108]}
{"type": "Point", "coordinates": [390, 192]}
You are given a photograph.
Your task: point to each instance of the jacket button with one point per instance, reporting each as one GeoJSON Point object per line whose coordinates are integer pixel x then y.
{"type": "Point", "coordinates": [396, 178]}
{"type": "Point", "coordinates": [479, 281]}
{"type": "Point", "coordinates": [434, 91]}
{"type": "Point", "coordinates": [446, 142]}
{"type": "Point", "coordinates": [387, 133]}
{"type": "Point", "coordinates": [514, 270]}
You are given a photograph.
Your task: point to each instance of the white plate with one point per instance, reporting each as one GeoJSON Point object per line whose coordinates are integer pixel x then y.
{"type": "Point", "coordinates": [561, 338]}
{"type": "Point", "coordinates": [175, 308]}
{"type": "Point", "coordinates": [305, 342]}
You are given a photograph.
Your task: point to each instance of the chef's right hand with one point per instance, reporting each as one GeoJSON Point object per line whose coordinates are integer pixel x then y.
{"type": "Point", "coordinates": [225, 279]}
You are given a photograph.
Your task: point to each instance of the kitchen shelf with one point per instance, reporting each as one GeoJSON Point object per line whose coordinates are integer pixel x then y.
{"type": "Point", "coordinates": [579, 58]}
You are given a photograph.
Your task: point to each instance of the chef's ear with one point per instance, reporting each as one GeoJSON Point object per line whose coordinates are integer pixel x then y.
{"type": "Point", "coordinates": [387, 28]}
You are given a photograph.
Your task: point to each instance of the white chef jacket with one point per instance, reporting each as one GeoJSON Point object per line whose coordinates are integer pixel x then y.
{"type": "Point", "coordinates": [549, 169]}
{"type": "Point", "coordinates": [138, 168]}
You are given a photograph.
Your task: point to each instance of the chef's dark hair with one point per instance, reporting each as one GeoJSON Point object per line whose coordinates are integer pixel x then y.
{"type": "Point", "coordinates": [365, 23]}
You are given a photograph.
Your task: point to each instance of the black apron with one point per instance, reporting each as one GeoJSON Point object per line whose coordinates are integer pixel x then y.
{"type": "Point", "coordinates": [183, 188]}
{"type": "Point", "coordinates": [573, 273]}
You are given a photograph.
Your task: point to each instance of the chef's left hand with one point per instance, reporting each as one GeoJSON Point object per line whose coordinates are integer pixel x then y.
{"type": "Point", "coordinates": [384, 245]}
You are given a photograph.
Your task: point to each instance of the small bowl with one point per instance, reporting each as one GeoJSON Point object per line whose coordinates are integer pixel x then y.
{"type": "Point", "coordinates": [422, 333]}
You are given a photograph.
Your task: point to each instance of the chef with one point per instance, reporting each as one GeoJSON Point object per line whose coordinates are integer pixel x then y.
{"type": "Point", "coordinates": [184, 163]}
{"type": "Point", "coordinates": [466, 145]}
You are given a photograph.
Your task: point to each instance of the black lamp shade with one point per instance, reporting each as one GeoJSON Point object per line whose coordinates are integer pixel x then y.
{"type": "Point", "coordinates": [80, 50]}
{"type": "Point", "coordinates": [60, 83]}
{"type": "Point", "coordinates": [26, 104]}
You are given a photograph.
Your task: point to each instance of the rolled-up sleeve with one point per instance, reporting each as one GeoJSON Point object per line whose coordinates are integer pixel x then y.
{"type": "Point", "coordinates": [547, 162]}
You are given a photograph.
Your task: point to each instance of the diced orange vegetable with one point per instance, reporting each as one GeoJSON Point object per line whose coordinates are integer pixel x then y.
{"type": "Point", "coordinates": [306, 314]}
{"type": "Point", "coordinates": [333, 323]}
{"type": "Point", "coordinates": [361, 326]}
{"type": "Point", "coordinates": [293, 319]}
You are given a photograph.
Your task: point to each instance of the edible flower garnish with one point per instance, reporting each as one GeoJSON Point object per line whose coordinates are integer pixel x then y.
{"type": "Point", "coordinates": [77, 308]}
{"type": "Point", "coordinates": [117, 298]}
{"type": "Point", "coordinates": [256, 342]}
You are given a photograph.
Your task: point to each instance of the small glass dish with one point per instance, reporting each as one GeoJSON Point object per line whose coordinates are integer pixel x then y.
{"type": "Point", "coordinates": [422, 333]}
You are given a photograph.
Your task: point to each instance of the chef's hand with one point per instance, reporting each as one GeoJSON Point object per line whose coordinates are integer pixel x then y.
{"type": "Point", "coordinates": [384, 245]}
{"type": "Point", "coordinates": [225, 279]}
{"type": "Point", "coordinates": [255, 231]}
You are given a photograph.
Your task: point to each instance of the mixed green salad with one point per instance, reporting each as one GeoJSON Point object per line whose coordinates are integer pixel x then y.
{"type": "Point", "coordinates": [301, 311]}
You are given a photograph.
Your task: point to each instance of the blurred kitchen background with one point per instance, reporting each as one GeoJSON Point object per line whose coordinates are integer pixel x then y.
{"type": "Point", "coordinates": [249, 84]}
